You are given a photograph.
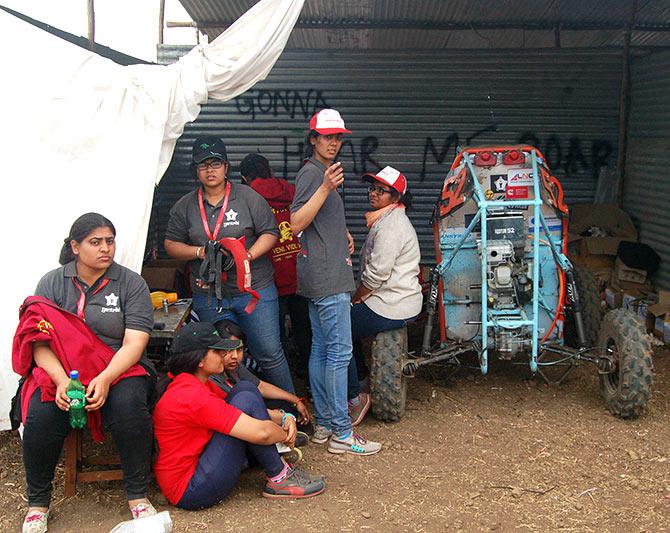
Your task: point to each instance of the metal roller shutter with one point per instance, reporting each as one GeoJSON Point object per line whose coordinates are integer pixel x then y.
{"type": "Point", "coordinates": [411, 109]}
{"type": "Point", "coordinates": [647, 176]}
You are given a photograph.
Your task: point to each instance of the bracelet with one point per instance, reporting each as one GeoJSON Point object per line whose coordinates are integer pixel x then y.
{"type": "Point", "coordinates": [250, 256]}
{"type": "Point", "coordinates": [285, 415]}
{"type": "Point", "coordinates": [197, 252]}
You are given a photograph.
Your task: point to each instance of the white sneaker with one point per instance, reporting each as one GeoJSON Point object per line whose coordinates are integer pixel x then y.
{"type": "Point", "coordinates": [354, 444]}
{"type": "Point", "coordinates": [321, 434]}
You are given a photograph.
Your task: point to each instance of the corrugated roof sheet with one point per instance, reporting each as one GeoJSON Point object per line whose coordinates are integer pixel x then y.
{"type": "Point", "coordinates": [454, 24]}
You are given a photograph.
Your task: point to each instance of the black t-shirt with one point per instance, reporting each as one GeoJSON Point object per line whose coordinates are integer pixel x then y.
{"type": "Point", "coordinates": [247, 214]}
{"type": "Point", "coordinates": [111, 307]}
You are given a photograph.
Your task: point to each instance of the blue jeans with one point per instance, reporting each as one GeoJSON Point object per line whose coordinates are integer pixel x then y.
{"type": "Point", "coordinates": [260, 327]}
{"type": "Point", "coordinates": [366, 323]}
{"type": "Point", "coordinates": [328, 361]}
{"type": "Point", "coordinates": [224, 457]}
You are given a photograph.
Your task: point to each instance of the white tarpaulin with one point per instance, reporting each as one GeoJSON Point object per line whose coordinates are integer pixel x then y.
{"type": "Point", "coordinates": [80, 133]}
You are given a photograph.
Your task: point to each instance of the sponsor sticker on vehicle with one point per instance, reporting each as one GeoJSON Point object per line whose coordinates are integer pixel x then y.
{"type": "Point", "coordinates": [498, 182]}
{"type": "Point", "coordinates": [520, 177]}
{"type": "Point", "coordinates": [516, 192]}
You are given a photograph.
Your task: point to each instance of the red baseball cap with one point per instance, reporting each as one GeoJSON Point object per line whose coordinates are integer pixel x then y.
{"type": "Point", "coordinates": [327, 122]}
{"type": "Point", "coordinates": [389, 176]}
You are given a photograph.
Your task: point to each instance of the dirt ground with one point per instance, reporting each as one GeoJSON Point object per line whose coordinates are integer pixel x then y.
{"type": "Point", "coordinates": [474, 453]}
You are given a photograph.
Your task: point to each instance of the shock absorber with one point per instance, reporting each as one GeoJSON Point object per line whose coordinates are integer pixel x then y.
{"type": "Point", "coordinates": [576, 305]}
{"type": "Point", "coordinates": [431, 307]}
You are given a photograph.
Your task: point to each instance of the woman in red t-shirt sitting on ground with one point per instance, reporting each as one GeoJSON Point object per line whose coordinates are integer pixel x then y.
{"type": "Point", "coordinates": [204, 434]}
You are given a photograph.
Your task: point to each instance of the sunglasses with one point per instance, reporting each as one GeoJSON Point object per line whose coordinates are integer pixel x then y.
{"type": "Point", "coordinates": [378, 189]}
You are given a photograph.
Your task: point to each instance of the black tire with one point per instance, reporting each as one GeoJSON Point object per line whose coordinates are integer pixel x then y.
{"type": "Point", "coordinates": [627, 390]}
{"type": "Point", "coordinates": [388, 385]}
{"type": "Point", "coordinates": [589, 297]}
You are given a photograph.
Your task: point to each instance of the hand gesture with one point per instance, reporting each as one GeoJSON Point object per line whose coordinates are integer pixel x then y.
{"type": "Point", "coordinates": [333, 177]}
{"type": "Point", "coordinates": [96, 393]}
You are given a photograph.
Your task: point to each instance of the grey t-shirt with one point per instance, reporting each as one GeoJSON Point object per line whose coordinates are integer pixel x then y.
{"type": "Point", "coordinates": [323, 264]}
{"type": "Point", "coordinates": [122, 303]}
{"type": "Point", "coordinates": [228, 379]}
{"type": "Point", "coordinates": [247, 214]}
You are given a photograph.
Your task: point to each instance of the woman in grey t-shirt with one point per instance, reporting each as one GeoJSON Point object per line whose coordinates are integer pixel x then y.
{"type": "Point", "coordinates": [325, 277]}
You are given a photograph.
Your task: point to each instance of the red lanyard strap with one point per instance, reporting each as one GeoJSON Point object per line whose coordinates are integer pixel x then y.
{"type": "Point", "coordinates": [212, 235]}
{"type": "Point", "coordinates": [81, 302]}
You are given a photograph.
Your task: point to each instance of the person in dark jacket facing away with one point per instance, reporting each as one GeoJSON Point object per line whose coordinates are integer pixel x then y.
{"type": "Point", "coordinates": [256, 172]}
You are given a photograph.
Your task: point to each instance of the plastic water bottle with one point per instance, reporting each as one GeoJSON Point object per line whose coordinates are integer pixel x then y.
{"type": "Point", "coordinates": [158, 523]}
{"type": "Point", "coordinates": [77, 395]}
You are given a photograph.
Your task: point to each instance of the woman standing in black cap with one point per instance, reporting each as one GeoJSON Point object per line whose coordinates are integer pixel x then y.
{"type": "Point", "coordinates": [225, 231]}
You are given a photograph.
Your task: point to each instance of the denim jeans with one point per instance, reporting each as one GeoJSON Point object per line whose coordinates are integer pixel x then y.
{"type": "Point", "coordinates": [261, 328]}
{"type": "Point", "coordinates": [222, 460]}
{"type": "Point", "coordinates": [329, 359]}
{"type": "Point", "coordinates": [366, 323]}
{"type": "Point", "coordinates": [125, 413]}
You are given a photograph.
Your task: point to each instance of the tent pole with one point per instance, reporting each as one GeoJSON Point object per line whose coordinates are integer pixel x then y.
{"type": "Point", "coordinates": [91, 25]}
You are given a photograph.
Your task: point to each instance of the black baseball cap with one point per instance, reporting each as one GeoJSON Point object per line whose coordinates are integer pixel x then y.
{"type": "Point", "coordinates": [199, 336]}
{"type": "Point", "coordinates": [207, 148]}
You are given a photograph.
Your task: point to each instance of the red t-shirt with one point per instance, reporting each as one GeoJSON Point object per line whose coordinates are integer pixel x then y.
{"type": "Point", "coordinates": [185, 418]}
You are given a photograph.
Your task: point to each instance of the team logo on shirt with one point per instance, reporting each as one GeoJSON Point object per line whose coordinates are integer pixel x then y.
{"type": "Point", "coordinates": [112, 302]}
{"type": "Point", "coordinates": [231, 218]}
{"type": "Point", "coordinates": [44, 326]}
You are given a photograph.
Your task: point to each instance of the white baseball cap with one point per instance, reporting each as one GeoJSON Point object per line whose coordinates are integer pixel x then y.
{"type": "Point", "coordinates": [327, 122]}
{"type": "Point", "coordinates": [389, 176]}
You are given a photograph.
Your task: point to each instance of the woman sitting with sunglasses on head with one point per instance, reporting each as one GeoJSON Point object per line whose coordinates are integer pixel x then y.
{"type": "Point", "coordinates": [388, 294]}
{"type": "Point", "coordinates": [204, 434]}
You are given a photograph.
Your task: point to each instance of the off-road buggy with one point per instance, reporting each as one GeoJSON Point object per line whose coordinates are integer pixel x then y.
{"type": "Point", "coordinates": [504, 289]}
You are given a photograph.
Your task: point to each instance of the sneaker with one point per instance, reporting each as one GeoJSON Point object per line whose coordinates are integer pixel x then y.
{"type": "Point", "coordinates": [321, 434]}
{"type": "Point", "coordinates": [35, 522]}
{"type": "Point", "coordinates": [354, 444]}
{"type": "Point", "coordinates": [142, 510]}
{"type": "Point", "coordinates": [301, 439]}
{"type": "Point", "coordinates": [296, 484]}
{"type": "Point", "coordinates": [358, 412]}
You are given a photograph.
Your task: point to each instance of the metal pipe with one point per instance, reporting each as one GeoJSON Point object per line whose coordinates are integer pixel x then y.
{"type": "Point", "coordinates": [624, 97]}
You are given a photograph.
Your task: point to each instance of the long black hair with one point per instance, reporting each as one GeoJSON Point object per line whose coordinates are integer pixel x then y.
{"type": "Point", "coordinates": [81, 228]}
{"type": "Point", "coordinates": [179, 362]}
{"type": "Point", "coordinates": [405, 199]}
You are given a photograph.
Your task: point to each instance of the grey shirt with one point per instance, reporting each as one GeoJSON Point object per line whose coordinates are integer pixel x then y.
{"type": "Point", "coordinates": [228, 379]}
{"type": "Point", "coordinates": [323, 264]}
{"type": "Point", "coordinates": [247, 214]}
{"type": "Point", "coordinates": [122, 303]}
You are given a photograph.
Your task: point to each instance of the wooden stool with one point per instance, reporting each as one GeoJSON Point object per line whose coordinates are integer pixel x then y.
{"type": "Point", "coordinates": [74, 463]}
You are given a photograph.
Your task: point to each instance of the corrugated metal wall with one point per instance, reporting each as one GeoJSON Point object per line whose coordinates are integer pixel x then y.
{"type": "Point", "coordinates": [647, 177]}
{"type": "Point", "coordinates": [410, 109]}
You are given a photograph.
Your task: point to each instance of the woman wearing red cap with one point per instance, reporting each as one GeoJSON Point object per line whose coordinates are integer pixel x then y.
{"type": "Point", "coordinates": [326, 278]}
{"type": "Point", "coordinates": [388, 295]}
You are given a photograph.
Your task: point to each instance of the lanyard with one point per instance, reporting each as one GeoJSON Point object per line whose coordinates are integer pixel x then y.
{"type": "Point", "coordinates": [81, 303]}
{"type": "Point", "coordinates": [212, 236]}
